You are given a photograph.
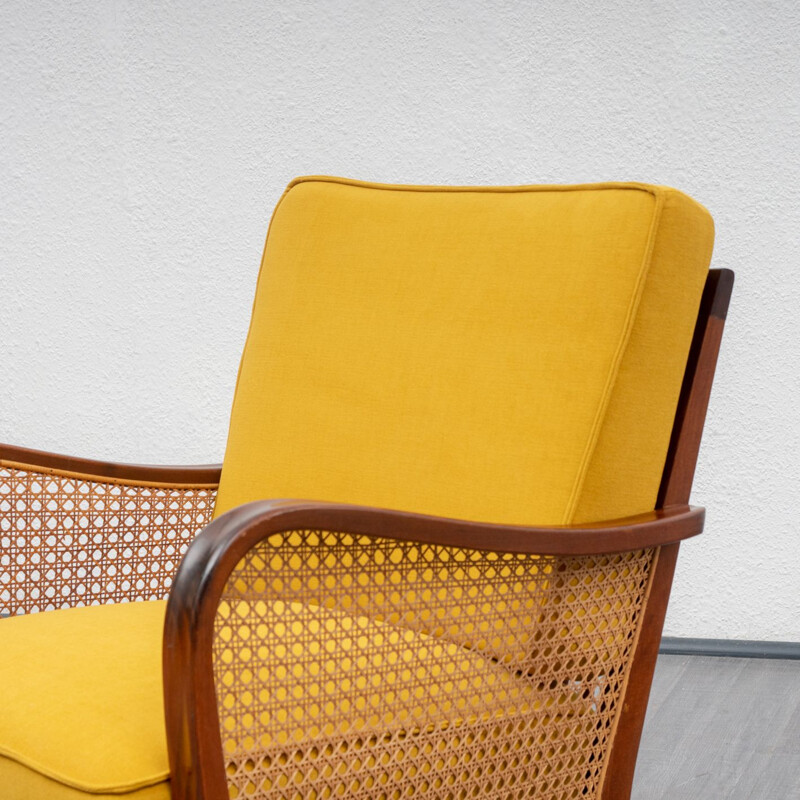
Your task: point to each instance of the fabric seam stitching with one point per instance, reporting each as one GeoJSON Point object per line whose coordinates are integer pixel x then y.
{"type": "Point", "coordinates": [605, 398]}
{"type": "Point", "coordinates": [27, 763]}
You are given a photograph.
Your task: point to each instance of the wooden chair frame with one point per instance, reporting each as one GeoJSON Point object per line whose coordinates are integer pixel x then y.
{"type": "Point", "coordinates": [195, 749]}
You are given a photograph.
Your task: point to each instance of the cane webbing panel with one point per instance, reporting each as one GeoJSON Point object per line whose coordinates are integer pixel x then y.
{"type": "Point", "coordinates": [359, 667]}
{"type": "Point", "coordinates": [69, 540]}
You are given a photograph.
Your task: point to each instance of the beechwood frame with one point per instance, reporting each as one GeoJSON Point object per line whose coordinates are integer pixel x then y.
{"type": "Point", "coordinates": [193, 738]}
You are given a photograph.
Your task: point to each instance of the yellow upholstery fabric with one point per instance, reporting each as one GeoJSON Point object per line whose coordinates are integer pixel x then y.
{"type": "Point", "coordinates": [82, 706]}
{"type": "Point", "coordinates": [512, 355]}
{"type": "Point", "coordinates": [22, 783]}
{"type": "Point", "coordinates": [625, 471]}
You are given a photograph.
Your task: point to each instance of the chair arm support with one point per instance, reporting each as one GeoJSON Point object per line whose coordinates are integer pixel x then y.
{"type": "Point", "coordinates": [75, 531]}
{"type": "Point", "coordinates": [191, 714]}
{"type": "Point", "coordinates": [197, 476]}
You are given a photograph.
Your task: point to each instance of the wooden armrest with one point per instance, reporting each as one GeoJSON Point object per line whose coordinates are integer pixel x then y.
{"type": "Point", "coordinates": [205, 476]}
{"type": "Point", "coordinates": [193, 734]}
{"type": "Point", "coordinates": [75, 531]}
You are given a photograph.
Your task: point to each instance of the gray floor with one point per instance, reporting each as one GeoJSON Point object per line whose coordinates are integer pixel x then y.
{"type": "Point", "coordinates": [721, 729]}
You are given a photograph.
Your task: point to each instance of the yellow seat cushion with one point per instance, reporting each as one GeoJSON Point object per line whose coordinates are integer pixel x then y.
{"type": "Point", "coordinates": [512, 355]}
{"type": "Point", "coordinates": [82, 704]}
{"type": "Point", "coordinates": [83, 709]}
{"type": "Point", "coordinates": [22, 783]}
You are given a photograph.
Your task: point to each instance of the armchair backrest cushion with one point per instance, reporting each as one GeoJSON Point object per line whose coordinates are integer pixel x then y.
{"type": "Point", "coordinates": [511, 355]}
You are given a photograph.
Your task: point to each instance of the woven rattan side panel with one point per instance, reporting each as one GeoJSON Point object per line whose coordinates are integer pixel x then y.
{"type": "Point", "coordinates": [366, 668]}
{"type": "Point", "coordinates": [70, 541]}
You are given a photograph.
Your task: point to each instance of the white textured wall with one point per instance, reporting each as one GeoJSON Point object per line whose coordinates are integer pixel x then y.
{"type": "Point", "coordinates": [143, 146]}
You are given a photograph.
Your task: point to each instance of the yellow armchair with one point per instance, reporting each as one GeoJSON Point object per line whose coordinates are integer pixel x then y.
{"type": "Point", "coordinates": [492, 401]}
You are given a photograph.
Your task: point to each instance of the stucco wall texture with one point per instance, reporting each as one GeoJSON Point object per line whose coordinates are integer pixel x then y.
{"type": "Point", "coordinates": [143, 146]}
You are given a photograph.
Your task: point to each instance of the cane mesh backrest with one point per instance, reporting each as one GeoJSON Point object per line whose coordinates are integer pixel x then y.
{"type": "Point", "coordinates": [505, 355]}
{"type": "Point", "coordinates": [358, 667]}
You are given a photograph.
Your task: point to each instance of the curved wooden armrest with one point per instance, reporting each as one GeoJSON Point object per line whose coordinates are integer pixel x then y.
{"type": "Point", "coordinates": [191, 714]}
{"type": "Point", "coordinates": [52, 508]}
{"type": "Point", "coordinates": [204, 476]}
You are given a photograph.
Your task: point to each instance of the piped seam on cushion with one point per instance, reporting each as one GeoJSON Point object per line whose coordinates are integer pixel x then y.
{"type": "Point", "coordinates": [605, 397]}
{"type": "Point", "coordinates": [521, 188]}
{"type": "Point", "coordinates": [31, 764]}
